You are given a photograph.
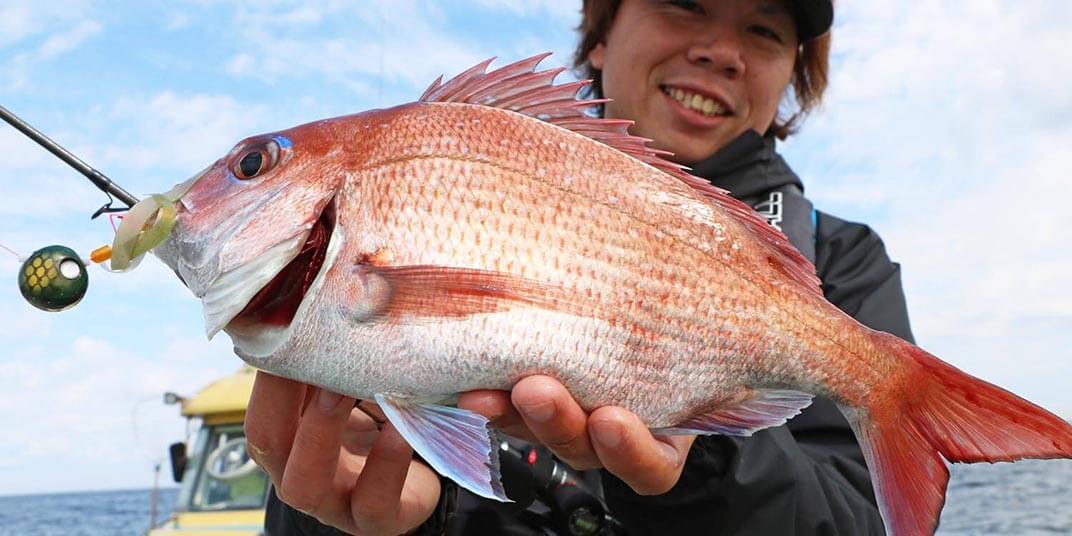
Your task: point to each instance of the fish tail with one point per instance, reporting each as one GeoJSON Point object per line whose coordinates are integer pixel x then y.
{"type": "Point", "coordinates": [935, 414]}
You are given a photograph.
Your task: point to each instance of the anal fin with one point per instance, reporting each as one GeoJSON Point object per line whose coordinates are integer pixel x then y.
{"type": "Point", "coordinates": [764, 408]}
{"type": "Point", "coordinates": [456, 443]}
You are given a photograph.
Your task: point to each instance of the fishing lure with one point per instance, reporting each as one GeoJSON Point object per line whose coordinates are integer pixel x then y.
{"type": "Point", "coordinates": [145, 225]}
{"type": "Point", "coordinates": [54, 278]}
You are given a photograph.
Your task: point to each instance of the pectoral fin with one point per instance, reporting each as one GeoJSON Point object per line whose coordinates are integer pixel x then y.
{"type": "Point", "coordinates": [455, 442]}
{"type": "Point", "coordinates": [762, 408]}
{"type": "Point", "coordinates": [403, 293]}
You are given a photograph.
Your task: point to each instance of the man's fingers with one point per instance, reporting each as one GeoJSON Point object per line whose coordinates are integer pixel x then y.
{"type": "Point", "coordinates": [627, 449]}
{"type": "Point", "coordinates": [375, 499]}
{"type": "Point", "coordinates": [272, 421]}
{"type": "Point", "coordinates": [497, 408]}
{"type": "Point", "coordinates": [360, 432]}
{"type": "Point", "coordinates": [309, 478]}
{"type": "Point", "coordinates": [373, 410]}
{"type": "Point", "coordinates": [556, 420]}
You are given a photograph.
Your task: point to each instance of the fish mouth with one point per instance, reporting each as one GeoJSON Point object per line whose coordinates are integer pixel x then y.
{"type": "Point", "coordinates": [257, 302]}
{"type": "Point", "coordinates": [275, 305]}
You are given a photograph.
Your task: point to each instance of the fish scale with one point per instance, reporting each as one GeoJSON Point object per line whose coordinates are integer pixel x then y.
{"type": "Point", "coordinates": [428, 180]}
{"type": "Point", "coordinates": [471, 246]}
{"type": "Point", "coordinates": [554, 250]}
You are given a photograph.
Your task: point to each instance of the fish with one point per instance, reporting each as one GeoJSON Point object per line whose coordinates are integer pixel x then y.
{"type": "Point", "coordinates": [493, 230]}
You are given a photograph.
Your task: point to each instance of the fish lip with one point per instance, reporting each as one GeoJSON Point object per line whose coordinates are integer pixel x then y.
{"type": "Point", "coordinates": [230, 292]}
{"type": "Point", "coordinates": [276, 296]}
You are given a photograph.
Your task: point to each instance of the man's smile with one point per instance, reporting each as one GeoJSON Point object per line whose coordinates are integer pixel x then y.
{"type": "Point", "coordinates": [708, 105]}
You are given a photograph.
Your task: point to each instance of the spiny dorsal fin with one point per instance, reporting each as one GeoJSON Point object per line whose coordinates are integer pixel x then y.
{"type": "Point", "coordinates": [520, 88]}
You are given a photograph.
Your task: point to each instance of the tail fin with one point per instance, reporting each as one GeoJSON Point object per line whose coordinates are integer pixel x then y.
{"type": "Point", "coordinates": [944, 415]}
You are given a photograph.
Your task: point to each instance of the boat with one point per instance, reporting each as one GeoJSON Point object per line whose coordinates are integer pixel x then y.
{"type": "Point", "coordinates": [222, 491]}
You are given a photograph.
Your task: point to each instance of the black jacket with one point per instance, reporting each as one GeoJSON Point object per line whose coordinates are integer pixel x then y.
{"type": "Point", "coordinates": [807, 477]}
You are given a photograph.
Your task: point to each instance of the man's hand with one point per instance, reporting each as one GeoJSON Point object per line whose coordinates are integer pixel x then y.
{"type": "Point", "coordinates": [540, 409]}
{"type": "Point", "coordinates": [330, 460]}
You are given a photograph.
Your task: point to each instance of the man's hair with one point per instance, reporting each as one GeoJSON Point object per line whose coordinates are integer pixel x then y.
{"type": "Point", "coordinates": [809, 72]}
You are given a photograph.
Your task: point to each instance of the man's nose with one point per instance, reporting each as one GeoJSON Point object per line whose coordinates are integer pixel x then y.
{"type": "Point", "coordinates": [719, 50]}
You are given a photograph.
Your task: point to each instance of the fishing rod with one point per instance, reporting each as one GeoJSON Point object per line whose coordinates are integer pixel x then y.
{"type": "Point", "coordinates": [54, 277]}
{"type": "Point", "coordinates": [109, 187]}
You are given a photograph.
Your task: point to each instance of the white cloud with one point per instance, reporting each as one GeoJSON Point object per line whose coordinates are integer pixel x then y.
{"type": "Point", "coordinates": [400, 41]}
{"type": "Point", "coordinates": [400, 45]}
{"type": "Point", "coordinates": [177, 20]}
{"type": "Point", "coordinates": [178, 131]}
{"type": "Point", "coordinates": [301, 15]}
{"type": "Point", "coordinates": [993, 248]}
{"type": "Point", "coordinates": [15, 323]}
{"type": "Point", "coordinates": [15, 76]}
{"type": "Point", "coordinates": [22, 19]}
{"type": "Point", "coordinates": [15, 22]}
{"type": "Point", "coordinates": [68, 40]}
{"type": "Point", "coordinates": [61, 26]}
{"type": "Point", "coordinates": [565, 11]}
{"type": "Point", "coordinates": [242, 65]}
{"type": "Point", "coordinates": [38, 185]}
{"type": "Point", "coordinates": [944, 80]}
{"type": "Point", "coordinates": [97, 408]}
{"type": "Point", "coordinates": [947, 127]}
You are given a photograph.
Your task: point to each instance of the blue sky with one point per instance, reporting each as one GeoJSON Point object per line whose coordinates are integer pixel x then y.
{"type": "Point", "coordinates": [944, 129]}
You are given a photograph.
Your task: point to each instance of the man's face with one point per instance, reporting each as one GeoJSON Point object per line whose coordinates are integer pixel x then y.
{"type": "Point", "coordinates": [694, 75]}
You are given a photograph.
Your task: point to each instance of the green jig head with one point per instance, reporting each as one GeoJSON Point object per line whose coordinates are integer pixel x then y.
{"type": "Point", "coordinates": [53, 278]}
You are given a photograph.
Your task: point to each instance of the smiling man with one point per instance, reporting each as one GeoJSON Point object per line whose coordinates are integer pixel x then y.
{"type": "Point", "coordinates": [702, 74]}
{"type": "Point", "coordinates": [715, 82]}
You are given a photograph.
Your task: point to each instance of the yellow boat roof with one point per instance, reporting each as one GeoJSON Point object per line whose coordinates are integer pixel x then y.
{"type": "Point", "coordinates": [223, 400]}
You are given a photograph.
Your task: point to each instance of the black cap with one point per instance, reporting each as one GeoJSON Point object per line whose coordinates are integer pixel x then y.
{"type": "Point", "coordinates": [813, 17]}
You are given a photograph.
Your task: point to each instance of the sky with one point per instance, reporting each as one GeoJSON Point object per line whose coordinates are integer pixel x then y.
{"type": "Point", "coordinates": [946, 128]}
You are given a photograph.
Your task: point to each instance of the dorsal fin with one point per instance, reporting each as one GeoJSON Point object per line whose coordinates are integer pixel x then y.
{"type": "Point", "coordinates": [520, 88]}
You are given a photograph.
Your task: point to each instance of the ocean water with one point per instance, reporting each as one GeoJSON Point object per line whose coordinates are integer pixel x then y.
{"type": "Point", "coordinates": [97, 513]}
{"type": "Point", "coordinates": [1031, 497]}
{"type": "Point", "coordinates": [1025, 498]}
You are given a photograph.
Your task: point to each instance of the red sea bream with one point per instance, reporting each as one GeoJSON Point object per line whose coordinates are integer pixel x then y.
{"type": "Point", "coordinates": [492, 231]}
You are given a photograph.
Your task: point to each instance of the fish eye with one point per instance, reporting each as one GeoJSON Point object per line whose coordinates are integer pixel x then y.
{"type": "Point", "coordinates": [256, 160]}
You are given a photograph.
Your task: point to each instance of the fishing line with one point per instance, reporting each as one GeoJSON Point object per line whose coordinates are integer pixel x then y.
{"type": "Point", "coordinates": [112, 218]}
{"type": "Point", "coordinates": [54, 277]}
{"type": "Point", "coordinates": [13, 252]}
{"type": "Point", "coordinates": [151, 451]}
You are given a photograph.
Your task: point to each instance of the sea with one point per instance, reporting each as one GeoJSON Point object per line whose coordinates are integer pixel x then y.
{"type": "Point", "coordinates": [1031, 497]}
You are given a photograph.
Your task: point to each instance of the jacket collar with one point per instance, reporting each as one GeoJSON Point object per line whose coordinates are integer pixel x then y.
{"type": "Point", "coordinates": [748, 166]}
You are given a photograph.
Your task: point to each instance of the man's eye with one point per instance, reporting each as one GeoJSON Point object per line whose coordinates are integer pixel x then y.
{"type": "Point", "coordinates": [687, 5]}
{"type": "Point", "coordinates": [766, 32]}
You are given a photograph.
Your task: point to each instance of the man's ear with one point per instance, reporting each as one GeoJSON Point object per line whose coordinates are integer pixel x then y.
{"type": "Point", "coordinates": [597, 55]}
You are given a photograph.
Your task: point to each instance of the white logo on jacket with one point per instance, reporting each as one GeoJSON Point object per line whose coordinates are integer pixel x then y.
{"type": "Point", "coordinates": [771, 209]}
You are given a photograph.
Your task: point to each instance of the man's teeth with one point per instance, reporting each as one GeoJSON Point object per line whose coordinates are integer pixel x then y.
{"type": "Point", "coordinates": [696, 102]}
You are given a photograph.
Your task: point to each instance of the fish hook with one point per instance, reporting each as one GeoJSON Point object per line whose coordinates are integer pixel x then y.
{"type": "Point", "coordinates": [107, 208]}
